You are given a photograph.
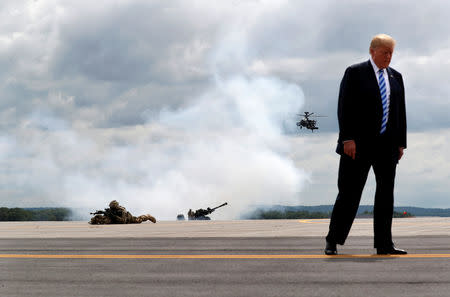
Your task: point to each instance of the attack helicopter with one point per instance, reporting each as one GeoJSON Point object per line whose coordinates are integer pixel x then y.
{"type": "Point", "coordinates": [308, 123]}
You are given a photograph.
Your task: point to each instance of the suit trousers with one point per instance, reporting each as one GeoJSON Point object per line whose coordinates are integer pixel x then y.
{"type": "Point", "coordinates": [352, 177]}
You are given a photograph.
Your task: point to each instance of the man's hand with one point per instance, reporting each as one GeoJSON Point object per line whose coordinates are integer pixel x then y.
{"type": "Point", "coordinates": [400, 153]}
{"type": "Point", "coordinates": [350, 148]}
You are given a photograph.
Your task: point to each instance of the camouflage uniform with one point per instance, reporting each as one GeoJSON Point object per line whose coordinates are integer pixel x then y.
{"type": "Point", "coordinates": [100, 220]}
{"type": "Point", "coordinates": [117, 214]}
{"type": "Point", "coordinates": [191, 215]}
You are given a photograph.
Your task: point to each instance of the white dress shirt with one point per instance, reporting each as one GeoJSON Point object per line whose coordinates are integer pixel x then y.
{"type": "Point", "coordinates": [386, 80]}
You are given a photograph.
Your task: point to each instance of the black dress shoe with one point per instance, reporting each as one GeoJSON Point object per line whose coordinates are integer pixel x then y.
{"type": "Point", "coordinates": [330, 248]}
{"type": "Point", "coordinates": [392, 250]}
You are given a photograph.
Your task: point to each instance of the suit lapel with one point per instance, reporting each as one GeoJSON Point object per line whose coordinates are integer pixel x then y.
{"type": "Point", "coordinates": [393, 84]}
{"type": "Point", "coordinates": [373, 82]}
{"type": "Point", "coordinates": [392, 81]}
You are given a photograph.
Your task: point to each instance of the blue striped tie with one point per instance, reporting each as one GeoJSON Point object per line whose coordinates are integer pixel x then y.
{"type": "Point", "coordinates": [384, 101]}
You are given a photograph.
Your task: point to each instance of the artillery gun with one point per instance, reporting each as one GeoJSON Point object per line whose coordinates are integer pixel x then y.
{"type": "Point", "coordinates": [202, 214]}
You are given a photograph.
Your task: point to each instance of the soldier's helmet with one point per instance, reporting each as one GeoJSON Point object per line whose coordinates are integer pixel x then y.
{"type": "Point", "coordinates": [114, 204]}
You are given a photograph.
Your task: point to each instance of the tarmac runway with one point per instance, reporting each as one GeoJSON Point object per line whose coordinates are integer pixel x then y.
{"type": "Point", "coordinates": [220, 258]}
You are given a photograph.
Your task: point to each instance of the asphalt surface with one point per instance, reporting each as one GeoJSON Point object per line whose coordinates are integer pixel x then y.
{"type": "Point", "coordinates": [230, 258]}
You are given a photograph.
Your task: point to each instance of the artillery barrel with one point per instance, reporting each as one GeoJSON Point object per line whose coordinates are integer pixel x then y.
{"type": "Point", "coordinates": [226, 203]}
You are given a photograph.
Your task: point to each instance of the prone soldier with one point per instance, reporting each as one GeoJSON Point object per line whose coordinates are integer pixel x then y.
{"type": "Point", "coordinates": [117, 214]}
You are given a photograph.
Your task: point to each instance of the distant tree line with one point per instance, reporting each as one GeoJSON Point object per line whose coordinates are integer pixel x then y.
{"type": "Point", "coordinates": [287, 215]}
{"type": "Point", "coordinates": [404, 214]}
{"type": "Point", "coordinates": [36, 214]}
{"type": "Point", "coordinates": [396, 214]}
{"type": "Point", "coordinates": [410, 210]}
{"type": "Point", "coordinates": [304, 214]}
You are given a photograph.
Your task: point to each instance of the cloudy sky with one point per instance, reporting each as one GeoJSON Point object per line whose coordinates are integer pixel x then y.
{"type": "Point", "coordinates": [171, 105]}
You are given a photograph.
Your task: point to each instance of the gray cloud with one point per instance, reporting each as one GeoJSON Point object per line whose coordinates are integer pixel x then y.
{"type": "Point", "coordinates": [89, 84]}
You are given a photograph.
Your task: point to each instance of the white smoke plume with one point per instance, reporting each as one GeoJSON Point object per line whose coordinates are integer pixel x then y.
{"type": "Point", "coordinates": [231, 145]}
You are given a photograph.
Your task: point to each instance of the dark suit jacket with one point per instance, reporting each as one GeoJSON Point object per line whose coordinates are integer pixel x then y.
{"type": "Point", "coordinates": [360, 110]}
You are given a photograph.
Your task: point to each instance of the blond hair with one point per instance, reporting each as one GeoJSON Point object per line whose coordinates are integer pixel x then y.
{"type": "Point", "coordinates": [382, 39]}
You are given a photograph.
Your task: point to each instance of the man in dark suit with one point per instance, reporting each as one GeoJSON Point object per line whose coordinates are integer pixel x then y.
{"type": "Point", "coordinates": [372, 133]}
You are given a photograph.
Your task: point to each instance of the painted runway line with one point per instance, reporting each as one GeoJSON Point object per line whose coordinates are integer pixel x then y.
{"type": "Point", "coordinates": [350, 256]}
